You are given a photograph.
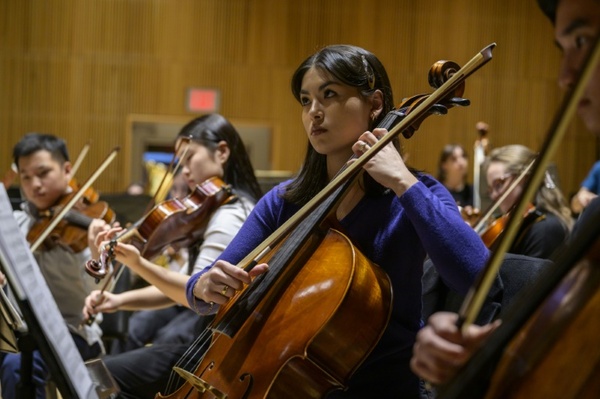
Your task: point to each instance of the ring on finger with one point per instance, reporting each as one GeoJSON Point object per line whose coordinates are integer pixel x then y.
{"type": "Point", "coordinates": [224, 290]}
{"type": "Point", "coordinates": [364, 147]}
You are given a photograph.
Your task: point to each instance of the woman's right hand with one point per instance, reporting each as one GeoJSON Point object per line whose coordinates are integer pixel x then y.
{"type": "Point", "coordinates": [100, 302]}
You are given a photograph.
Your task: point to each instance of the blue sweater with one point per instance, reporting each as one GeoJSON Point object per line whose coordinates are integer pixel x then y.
{"type": "Point", "coordinates": [592, 180]}
{"type": "Point", "coordinates": [396, 233]}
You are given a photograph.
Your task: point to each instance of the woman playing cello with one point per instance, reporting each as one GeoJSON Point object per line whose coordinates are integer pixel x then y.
{"type": "Point", "coordinates": [216, 150]}
{"type": "Point", "coordinates": [396, 216]}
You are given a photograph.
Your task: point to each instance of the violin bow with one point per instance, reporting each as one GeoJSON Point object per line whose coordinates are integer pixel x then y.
{"type": "Point", "coordinates": [475, 297]}
{"type": "Point", "coordinates": [80, 158]}
{"type": "Point", "coordinates": [161, 191]}
{"type": "Point", "coordinates": [488, 214]}
{"type": "Point", "coordinates": [61, 214]}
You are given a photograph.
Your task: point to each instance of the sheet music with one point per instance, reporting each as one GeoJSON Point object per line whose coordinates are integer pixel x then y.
{"type": "Point", "coordinates": [29, 286]}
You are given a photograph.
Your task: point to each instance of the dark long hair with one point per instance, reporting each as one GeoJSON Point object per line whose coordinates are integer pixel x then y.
{"type": "Point", "coordinates": [446, 153]}
{"type": "Point", "coordinates": [548, 7]}
{"type": "Point", "coordinates": [209, 130]}
{"type": "Point", "coordinates": [355, 67]}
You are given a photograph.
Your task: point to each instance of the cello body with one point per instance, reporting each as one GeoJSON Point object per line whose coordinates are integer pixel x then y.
{"type": "Point", "coordinates": [299, 343]}
{"type": "Point", "coordinates": [547, 346]}
{"type": "Point", "coordinates": [559, 344]}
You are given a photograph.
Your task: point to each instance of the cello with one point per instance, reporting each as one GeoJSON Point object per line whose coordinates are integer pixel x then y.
{"type": "Point", "coordinates": [302, 272]}
{"type": "Point", "coordinates": [480, 150]}
{"type": "Point", "coordinates": [471, 215]}
{"type": "Point", "coordinates": [554, 323]}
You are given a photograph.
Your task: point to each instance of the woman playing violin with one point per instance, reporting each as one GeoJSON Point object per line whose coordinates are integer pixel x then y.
{"type": "Point", "coordinates": [544, 227]}
{"type": "Point", "coordinates": [396, 216]}
{"type": "Point", "coordinates": [171, 324]}
{"type": "Point", "coordinates": [215, 150]}
{"type": "Point", "coordinates": [45, 172]}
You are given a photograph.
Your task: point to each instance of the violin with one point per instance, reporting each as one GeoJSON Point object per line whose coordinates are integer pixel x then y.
{"type": "Point", "coordinates": [172, 223]}
{"type": "Point", "coordinates": [71, 231]}
{"type": "Point", "coordinates": [90, 196]}
{"type": "Point", "coordinates": [317, 280]}
{"type": "Point", "coordinates": [490, 231]}
{"type": "Point", "coordinates": [497, 226]}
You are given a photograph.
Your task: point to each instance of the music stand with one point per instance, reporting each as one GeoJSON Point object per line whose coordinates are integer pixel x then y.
{"type": "Point", "coordinates": [8, 340]}
{"type": "Point", "coordinates": [46, 328]}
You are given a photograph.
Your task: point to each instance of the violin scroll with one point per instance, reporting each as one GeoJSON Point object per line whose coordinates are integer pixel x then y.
{"type": "Point", "coordinates": [99, 268]}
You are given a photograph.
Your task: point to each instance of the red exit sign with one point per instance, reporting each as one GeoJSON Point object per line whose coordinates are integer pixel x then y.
{"type": "Point", "coordinates": [203, 100]}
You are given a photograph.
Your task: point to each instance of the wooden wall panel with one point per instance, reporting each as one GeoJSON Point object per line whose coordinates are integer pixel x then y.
{"type": "Point", "coordinates": [78, 68]}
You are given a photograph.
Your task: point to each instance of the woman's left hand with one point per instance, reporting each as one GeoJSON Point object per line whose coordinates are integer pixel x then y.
{"type": "Point", "coordinates": [387, 166]}
{"type": "Point", "coordinates": [222, 281]}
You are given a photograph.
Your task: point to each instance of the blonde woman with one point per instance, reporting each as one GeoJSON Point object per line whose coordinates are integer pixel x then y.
{"type": "Point", "coordinates": [546, 225]}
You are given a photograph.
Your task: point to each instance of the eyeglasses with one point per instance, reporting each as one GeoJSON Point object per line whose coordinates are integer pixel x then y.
{"type": "Point", "coordinates": [499, 185]}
